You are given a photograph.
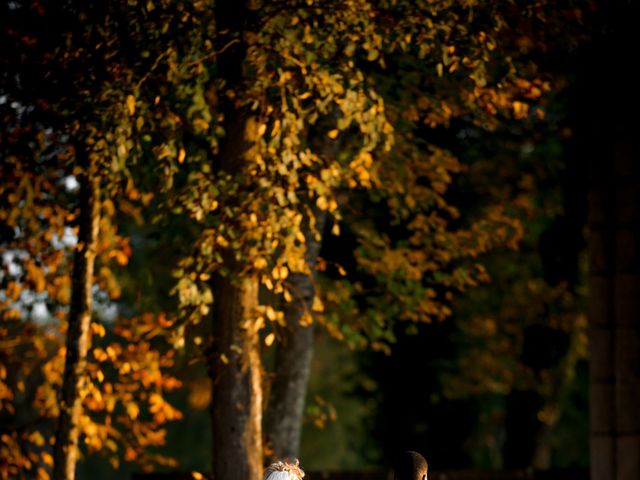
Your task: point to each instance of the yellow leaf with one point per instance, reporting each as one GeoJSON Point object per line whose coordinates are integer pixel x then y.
{"type": "Point", "coordinates": [333, 133]}
{"type": "Point", "coordinates": [37, 439]}
{"type": "Point", "coordinates": [280, 272]}
{"type": "Point", "coordinates": [224, 358]}
{"type": "Point", "coordinates": [276, 128]}
{"type": "Point", "coordinates": [322, 203]}
{"type": "Point", "coordinates": [181, 155]}
{"type": "Point", "coordinates": [131, 104]}
{"type": "Point", "coordinates": [98, 329]}
{"type": "Point", "coordinates": [47, 459]}
{"type": "Point", "coordinates": [284, 272]}
{"type": "Point", "coordinates": [200, 124]}
{"type": "Point", "coordinates": [317, 305]}
{"type": "Point", "coordinates": [133, 410]}
{"type": "Point", "coordinates": [306, 320]}
{"type": "Point", "coordinates": [261, 129]}
{"type": "Point", "coordinates": [269, 339]}
{"type": "Point", "coordinates": [275, 272]}
{"type": "Point", "coordinates": [220, 240]}
{"type": "Point", "coordinates": [259, 263]}
{"type": "Point", "coordinates": [520, 109]}
{"type": "Point", "coordinates": [120, 256]}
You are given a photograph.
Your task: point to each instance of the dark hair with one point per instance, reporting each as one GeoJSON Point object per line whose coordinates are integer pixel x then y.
{"type": "Point", "coordinates": [410, 465]}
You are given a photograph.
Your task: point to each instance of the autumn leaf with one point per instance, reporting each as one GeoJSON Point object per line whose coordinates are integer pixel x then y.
{"type": "Point", "coordinates": [269, 339]}
{"type": "Point", "coordinates": [131, 104]}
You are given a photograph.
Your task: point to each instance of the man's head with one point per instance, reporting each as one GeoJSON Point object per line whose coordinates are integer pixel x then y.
{"type": "Point", "coordinates": [284, 471]}
{"type": "Point", "coordinates": [410, 466]}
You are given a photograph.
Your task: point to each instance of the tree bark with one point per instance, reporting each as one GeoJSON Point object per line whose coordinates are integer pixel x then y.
{"type": "Point", "coordinates": [236, 400]}
{"type": "Point", "coordinates": [294, 353]}
{"type": "Point", "coordinates": [237, 393]}
{"type": "Point", "coordinates": [78, 333]}
{"type": "Point", "coordinates": [235, 366]}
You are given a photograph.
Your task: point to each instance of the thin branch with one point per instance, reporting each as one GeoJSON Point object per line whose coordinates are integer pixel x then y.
{"type": "Point", "coordinates": [212, 54]}
{"type": "Point", "coordinates": [153, 67]}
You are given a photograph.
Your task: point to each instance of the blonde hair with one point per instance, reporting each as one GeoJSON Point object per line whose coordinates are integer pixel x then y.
{"type": "Point", "coordinates": [284, 471]}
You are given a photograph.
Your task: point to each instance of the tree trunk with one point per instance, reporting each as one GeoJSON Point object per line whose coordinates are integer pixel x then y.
{"type": "Point", "coordinates": [235, 365]}
{"type": "Point", "coordinates": [294, 353]}
{"type": "Point", "coordinates": [78, 336]}
{"type": "Point", "coordinates": [237, 393]}
{"type": "Point", "coordinates": [614, 246]}
{"type": "Point", "coordinates": [236, 400]}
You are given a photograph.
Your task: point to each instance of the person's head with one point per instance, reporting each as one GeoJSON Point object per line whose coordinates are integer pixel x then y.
{"type": "Point", "coordinates": [284, 471]}
{"type": "Point", "coordinates": [410, 466]}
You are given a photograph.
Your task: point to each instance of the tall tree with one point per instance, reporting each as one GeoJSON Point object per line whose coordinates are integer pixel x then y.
{"type": "Point", "coordinates": [69, 116]}
{"type": "Point", "coordinates": [294, 352]}
{"type": "Point", "coordinates": [236, 400]}
{"type": "Point", "coordinates": [79, 322]}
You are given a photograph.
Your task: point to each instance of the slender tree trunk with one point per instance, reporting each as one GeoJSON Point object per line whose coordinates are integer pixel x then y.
{"type": "Point", "coordinates": [294, 353]}
{"type": "Point", "coordinates": [78, 336]}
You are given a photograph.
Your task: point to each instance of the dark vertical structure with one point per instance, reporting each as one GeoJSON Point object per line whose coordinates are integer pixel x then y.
{"type": "Point", "coordinates": [236, 401]}
{"type": "Point", "coordinates": [284, 417]}
{"type": "Point", "coordinates": [65, 453]}
{"type": "Point", "coordinates": [614, 244]}
{"type": "Point", "coordinates": [294, 353]}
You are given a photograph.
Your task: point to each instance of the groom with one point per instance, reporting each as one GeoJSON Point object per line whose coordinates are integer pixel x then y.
{"type": "Point", "coordinates": [410, 466]}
